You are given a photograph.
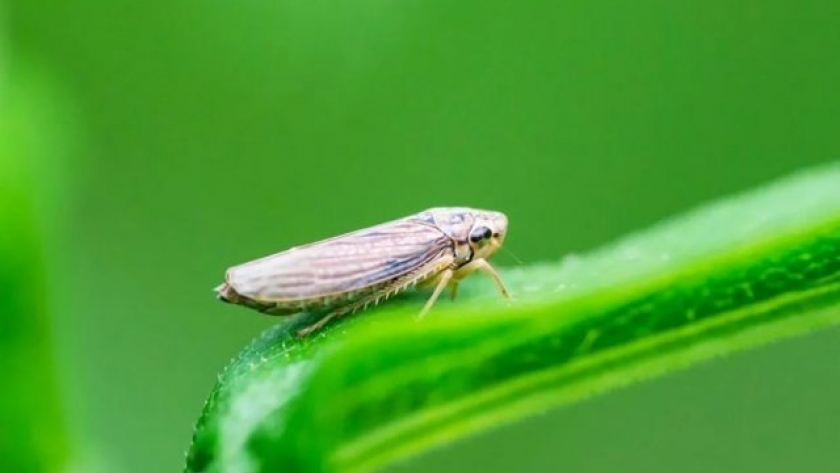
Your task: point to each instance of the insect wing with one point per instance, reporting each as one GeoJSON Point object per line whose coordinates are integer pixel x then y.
{"type": "Point", "coordinates": [341, 265]}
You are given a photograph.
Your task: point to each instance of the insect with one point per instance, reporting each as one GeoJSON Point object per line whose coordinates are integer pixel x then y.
{"type": "Point", "coordinates": [435, 248]}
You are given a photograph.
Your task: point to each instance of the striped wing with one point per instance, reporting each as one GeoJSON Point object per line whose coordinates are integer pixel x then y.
{"type": "Point", "coordinates": [340, 265]}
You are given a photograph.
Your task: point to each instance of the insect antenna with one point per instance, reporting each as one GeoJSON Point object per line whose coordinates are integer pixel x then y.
{"type": "Point", "coordinates": [519, 261]}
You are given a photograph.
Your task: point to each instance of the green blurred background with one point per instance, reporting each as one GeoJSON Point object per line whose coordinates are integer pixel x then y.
{"type": "Point", "coordinates": [161, 141]}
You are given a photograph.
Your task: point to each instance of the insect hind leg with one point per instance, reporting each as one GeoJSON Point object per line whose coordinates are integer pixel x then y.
{"type": "Point", "coordinates": [362, 303]}
{"type": "Point", "coordinates": [318, 325]}
{"type": "Point", "coordinates": [395, 287]}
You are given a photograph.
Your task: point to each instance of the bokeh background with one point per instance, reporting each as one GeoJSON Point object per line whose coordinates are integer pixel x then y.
{"type": "Point", "coordinates": [158, 142]}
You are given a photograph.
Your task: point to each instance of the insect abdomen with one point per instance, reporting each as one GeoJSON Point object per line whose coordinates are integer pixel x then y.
{"type": "Point", "coordinates": [227, 293]}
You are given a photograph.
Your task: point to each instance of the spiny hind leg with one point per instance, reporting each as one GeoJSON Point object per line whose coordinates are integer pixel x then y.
{"type": "Point", "coordinates": [318, 325]}
{"type": "Point", "coordinates": [397, 286]}
{"type": "Point", "coordinates": [373, 298]}
{"type": "Point", "coordinates": [365, 301]}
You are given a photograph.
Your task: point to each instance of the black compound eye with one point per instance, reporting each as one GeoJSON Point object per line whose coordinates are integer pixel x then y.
{"type": "Point", "coordinates": [480, 233]}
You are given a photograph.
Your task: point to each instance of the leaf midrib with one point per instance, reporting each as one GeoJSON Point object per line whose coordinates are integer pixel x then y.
{"type": "Point", "coordinates": [557, 383]}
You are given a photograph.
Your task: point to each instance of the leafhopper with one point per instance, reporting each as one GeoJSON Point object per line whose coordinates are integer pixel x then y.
{"type": "Point", "coordinates": [435, 248]}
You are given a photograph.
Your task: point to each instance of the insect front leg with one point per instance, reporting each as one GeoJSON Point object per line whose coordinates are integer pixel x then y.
{"type": "Point", "coordinates": [483, 266]}
{"type": "Point", "coordinates": [433, 282]}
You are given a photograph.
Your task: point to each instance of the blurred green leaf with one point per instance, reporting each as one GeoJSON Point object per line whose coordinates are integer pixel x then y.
{"type": "Point", "coordinates": [376, 387]}
{"type": "Point", "coordinates": [32, 435]}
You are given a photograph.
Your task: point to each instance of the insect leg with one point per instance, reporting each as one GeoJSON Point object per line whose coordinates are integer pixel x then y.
{"type": "Point", "coordinates": [319, 324]}
{"type": "Point", "coordinates": [453, 289]}
{"type": "Point", "coordinates": [365, 301]}
{"type": "Point", "coordinates": [341, 311]}
{"type": "Point", "coordinates": [483, 266]}
{"type": "Point", "coordinates": [443, 280]}
{"type": "Point", "coordinates": [372, 298]}
{"type": "Point", "coordinates": [391, 289]}
{"type": "Point", "coordinates": [433, 282]}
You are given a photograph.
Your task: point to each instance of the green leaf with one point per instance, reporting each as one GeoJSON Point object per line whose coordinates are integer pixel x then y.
{"type": "Point", "coordinates": [32, 431]}
{"type": "Point", "coordinates": [379, 386]}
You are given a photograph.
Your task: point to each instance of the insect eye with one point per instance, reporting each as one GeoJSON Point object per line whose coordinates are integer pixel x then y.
{"type": "Point", "coordinates": [479, 234]}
